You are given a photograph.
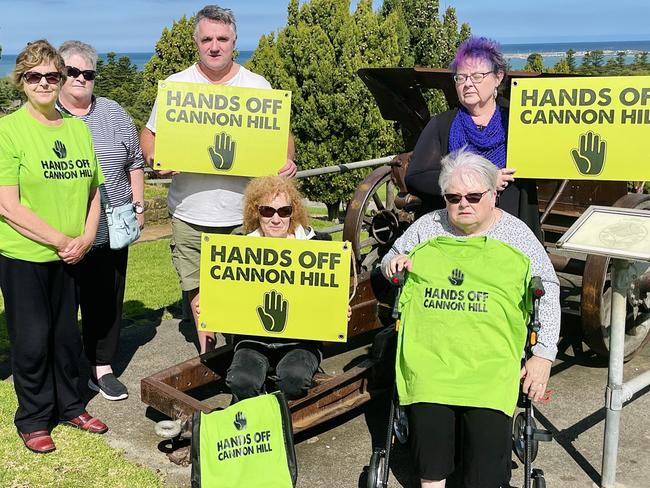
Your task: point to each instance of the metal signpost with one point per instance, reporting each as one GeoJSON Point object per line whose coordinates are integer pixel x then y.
{"type": "Point", "coordinates": [624, 235]}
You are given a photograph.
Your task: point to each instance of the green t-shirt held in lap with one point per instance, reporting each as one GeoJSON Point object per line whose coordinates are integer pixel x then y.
{"type": "Point", "coordinates": [54, 169]}
{"type": "Point", "coordinates": [464, 310]}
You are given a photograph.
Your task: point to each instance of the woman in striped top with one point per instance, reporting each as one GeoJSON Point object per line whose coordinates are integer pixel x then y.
{"type": "Point", "coordinates": [103, 271]}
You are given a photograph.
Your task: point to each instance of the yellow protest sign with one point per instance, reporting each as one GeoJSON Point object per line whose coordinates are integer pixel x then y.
{"type": "Point", "coordinates": [261, 286]}
{"type": "Point", "coordinates": [580, 128]}
{"type": "Point", "coordinates": [217, 129]}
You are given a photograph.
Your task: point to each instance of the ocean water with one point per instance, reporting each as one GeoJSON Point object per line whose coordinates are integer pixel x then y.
{"type": "Point", "coordinates": [8, 61]}
{"type": "Point", "coordinates": [515, 54]}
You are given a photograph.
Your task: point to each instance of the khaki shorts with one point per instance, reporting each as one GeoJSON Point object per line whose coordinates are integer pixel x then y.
{"type": "Point", "coordinates": [185, 246]}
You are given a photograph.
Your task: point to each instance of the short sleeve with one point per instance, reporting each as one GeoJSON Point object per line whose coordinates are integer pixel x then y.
{"type": "Point", "coordinates": [98, 176]}
{"type": "Point", "coordinates": [151, 123]}
{"type": "Point", "coordinates": [9, 161]}
{"type": "Point", "coordinates": [134, 160]}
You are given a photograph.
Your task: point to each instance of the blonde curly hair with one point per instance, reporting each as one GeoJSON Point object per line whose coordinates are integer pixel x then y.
{"type": "Point", "coordinates": [35, 53]}
{"type": "Point", "coordinates": [262, 190]}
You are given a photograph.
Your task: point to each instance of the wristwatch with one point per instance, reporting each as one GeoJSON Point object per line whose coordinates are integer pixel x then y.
{"type": "Point", "coordinates": [138, 208]}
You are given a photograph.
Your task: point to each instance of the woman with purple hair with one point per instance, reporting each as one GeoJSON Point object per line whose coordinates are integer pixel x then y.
{"type": "Point", "coordinates": [481, 124]}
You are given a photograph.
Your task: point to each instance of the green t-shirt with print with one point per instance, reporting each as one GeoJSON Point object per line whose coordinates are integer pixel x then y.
{"type": "Point", "coordinates": [464, 311]}
{"type": "Point", "coordinates": [54, 169]}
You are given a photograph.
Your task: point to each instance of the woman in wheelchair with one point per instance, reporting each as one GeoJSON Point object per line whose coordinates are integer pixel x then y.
{"type": "Point", "coordinates": [464, 312]}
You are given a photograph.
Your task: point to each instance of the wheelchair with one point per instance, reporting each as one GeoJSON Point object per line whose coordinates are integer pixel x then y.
{"type": "Point", "coordinates": [526, 436]}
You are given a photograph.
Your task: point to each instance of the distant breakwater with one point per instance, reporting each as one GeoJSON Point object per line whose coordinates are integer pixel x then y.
{"type": "Point", "coordinates": [577, 54]}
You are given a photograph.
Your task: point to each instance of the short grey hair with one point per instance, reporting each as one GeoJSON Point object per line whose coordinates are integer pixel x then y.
{"type": "Point", "coordinates": [468, 166]}
{"type": "Point", "coordinates": [217, 14]}
{"type": "Point", "coordinates": [86, 51]}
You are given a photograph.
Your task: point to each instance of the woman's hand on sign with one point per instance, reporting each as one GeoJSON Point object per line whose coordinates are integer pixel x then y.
{"type": "Point", "coordinates": [289, 169]}
{"type": "Point", "coordinates": [397, 264]}
{"type": "Point", "coordinates": [349, 312]}
{"type": "Point", "coordinates": [505, 178]}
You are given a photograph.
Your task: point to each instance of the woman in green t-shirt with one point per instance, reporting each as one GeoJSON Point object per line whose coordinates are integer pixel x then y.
{"type": "Point", "coordinates": [49, 209]}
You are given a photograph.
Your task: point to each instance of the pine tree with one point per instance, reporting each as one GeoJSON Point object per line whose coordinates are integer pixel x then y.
{"type": "Point", "coordinates": [334, 117]}
{"type": "Point", "coordinates": [534, 62]}
{"type": "Point", "coordinates": [175, 51]}
{"type": "Point", "coordinates": [571, 60]}
{"type": "Point", "coordinates": [120, 80]}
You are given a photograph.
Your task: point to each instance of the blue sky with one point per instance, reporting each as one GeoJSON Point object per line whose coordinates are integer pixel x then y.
{"type": "Point", "coordinates": [135, 25]}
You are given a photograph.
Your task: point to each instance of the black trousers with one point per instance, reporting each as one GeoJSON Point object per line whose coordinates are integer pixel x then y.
{"type": "Point", "coordinates": [101, 280]}
{"type": "Point", "coordinates": [41, 309]}
{"type": "Point", "coordinates": [294, 369]}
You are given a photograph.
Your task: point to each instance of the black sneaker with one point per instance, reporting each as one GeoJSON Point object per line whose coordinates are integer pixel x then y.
{"type": "Point", "coordinates": [109, 386]}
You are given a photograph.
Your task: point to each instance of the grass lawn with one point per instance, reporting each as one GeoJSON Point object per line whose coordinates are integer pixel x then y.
{"type": "Point", "coordinates": [151, 282]}
{"type": "Point", "coordinates": [81, 459]}
{"type": "Point", "coordinates": [152, 191]}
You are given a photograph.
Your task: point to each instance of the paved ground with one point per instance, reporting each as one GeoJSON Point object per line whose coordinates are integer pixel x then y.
{"type": "Point", "coordinates": [336, 454]}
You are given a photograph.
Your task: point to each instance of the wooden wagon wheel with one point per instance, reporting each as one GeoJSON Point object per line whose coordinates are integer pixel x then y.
{"type": "Point", "coordinates": [597, 298]}
{"type": "Point", "coordinates": [372, 220]}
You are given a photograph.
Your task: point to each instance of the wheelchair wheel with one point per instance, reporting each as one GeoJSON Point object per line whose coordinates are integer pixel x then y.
{"type": "Point", "coordinates": [401, 425]}
{"type": "Point", "coordinates": [518, 438]}
{"type": "Point", "coordinates": [376, 468]}
{"type": "Point", "coordinates": [538, 479]}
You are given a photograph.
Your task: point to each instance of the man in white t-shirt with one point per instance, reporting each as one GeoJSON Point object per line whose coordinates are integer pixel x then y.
{"type": "Point", "coordinates": [206, 203]}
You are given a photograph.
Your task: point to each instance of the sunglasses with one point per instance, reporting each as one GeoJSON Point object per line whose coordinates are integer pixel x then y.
{"type": "Point", "coordinates": [33, 77]}
{"type": "Point", "coordinates": [455, 198]}
{"type": "Point", "coordinates": [88, 74]}
{"type": "Point", "coordinates": [283, 212]}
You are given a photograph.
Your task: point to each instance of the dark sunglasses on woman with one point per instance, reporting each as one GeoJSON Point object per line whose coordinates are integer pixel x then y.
{"type": "Point", "coordinates": [455, 198]}
{"type": "Point", "coordinates": [88, 74]}
{"type": "Point", "coordinates": [33, 77]}
{"type": "Point", "coordinates": [266, 211]}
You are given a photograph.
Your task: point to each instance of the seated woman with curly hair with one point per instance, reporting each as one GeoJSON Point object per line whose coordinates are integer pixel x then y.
{"type": "Point", "coordinates": [273, 207]}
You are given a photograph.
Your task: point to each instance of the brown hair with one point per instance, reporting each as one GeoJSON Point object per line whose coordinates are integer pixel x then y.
{"type": "Point", "coordinates": [261, 190]}
{"type": "Point", "coordinates": [35, 53]}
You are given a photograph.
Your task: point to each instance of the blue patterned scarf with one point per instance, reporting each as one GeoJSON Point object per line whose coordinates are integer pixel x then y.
{"type": "Point", "coordinates": [490, 142]}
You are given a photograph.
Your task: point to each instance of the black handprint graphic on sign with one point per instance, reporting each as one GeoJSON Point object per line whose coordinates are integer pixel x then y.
{"type": "Point", "coordinates": [274, 314]}
{"type": "Point", "coordinates": [59, 149]}
{"type": "Point", "coordinates": [240, 421]}
{"type": "Point", "coordinates": [456, 278]}
{"type": "Point", "coordinates": [590, 158]}
{"type": "Point", "coordinates": [223, 152]}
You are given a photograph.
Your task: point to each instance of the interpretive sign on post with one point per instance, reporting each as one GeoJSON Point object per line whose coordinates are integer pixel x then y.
{"type": "Point", "coordinates": [287, 288]}
{"type": "Point", "coordinates": [580, 128]}
{"type": "Point", "coordinates": [217, 129]}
